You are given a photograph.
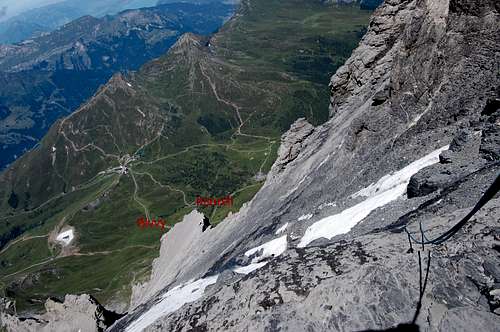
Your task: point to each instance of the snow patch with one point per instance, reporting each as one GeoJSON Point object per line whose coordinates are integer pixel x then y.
{"type": "Point", "coordinates": [65, 237]}
{"type": "Point", "coordinates": [130, 85]}
{"type": "Point", "coordinates": [53, 155]}
{"type": "Point", "coordinates": [171, 301]}
{"type": "Point", "coordinates": [281, 229]}
{"type": "Point", "coordinates": [324, 205]}
{"type": "Point", "coordinates": [306, 217]}
{"type": "Point", "coordinates": [249, 268]}
{"type": "Point", "coordinates": [387, 189]}
{"type": "Point", "coordinates": [273, 248]}
{"type": "Point", "coordinates": [142, 113]}
{"type": "Point", "coordinates": [400, 177]}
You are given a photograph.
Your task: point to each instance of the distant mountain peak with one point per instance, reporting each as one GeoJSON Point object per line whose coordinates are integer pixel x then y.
{"type": "Point", "coordinates": [187, 42]}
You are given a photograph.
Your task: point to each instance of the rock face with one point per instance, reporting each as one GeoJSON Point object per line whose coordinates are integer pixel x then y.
{"type": "Point", "coordinates": [292, 142]}
{"type": "Point", "coordinates": [424, 77]}
{"type": "Point", "coordinates": [78, 313]}
{"type": "Point", "coordinates": [455, 164]}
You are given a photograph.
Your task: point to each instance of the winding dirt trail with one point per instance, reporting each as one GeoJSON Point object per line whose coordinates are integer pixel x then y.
{"type": "Point", "coordinates": [136, 189]}
{"type": "Point", "coordinates": [166, 186]}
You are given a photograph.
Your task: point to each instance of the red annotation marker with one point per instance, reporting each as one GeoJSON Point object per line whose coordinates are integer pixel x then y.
{"type": "Point", "coordinates": [228, 201]}
{"type": "Point", "coordinates": [145, 223]}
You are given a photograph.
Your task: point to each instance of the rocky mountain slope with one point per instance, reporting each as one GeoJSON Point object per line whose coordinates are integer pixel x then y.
{"type": "Point", "coordinates": [412, 142]}
{"type": "Point", "coordinates": [51, 15]}
{"type": "Point", "coordinates": [50, 76]}
{"type": "Point", "coordinates": [205, 119]}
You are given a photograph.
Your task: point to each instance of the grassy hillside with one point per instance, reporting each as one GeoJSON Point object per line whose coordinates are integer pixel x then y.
{"type": "Point", "coordinates": [205, 119]}
{"type": "Point", "coordinates": [51, 76]}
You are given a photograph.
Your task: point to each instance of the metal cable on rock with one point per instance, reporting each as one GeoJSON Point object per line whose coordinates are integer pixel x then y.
{"type": "Point", "coordinates": [487, 196]}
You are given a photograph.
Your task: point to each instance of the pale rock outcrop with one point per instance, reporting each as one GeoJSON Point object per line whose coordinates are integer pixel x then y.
{"type": "Point", "coordinates": [78, 313]}
{"type": "Point", "coordinates": [292, 143]}
{"type": "Point", "coordinates": [178, 246]}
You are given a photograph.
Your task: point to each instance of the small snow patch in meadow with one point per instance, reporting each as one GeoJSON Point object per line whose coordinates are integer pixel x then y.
{"type": "Point", "coordinates": [171, 301]}
{"type": "Point", "coordinates": [281, 229]}
{"type": "Point", "coordinates": [65, 237]}
{"type": "Point", "coordinates": [130, 85]}
{"type": "Point", "coordinates": [387, 189]}
{"type": "Point", "coordinates": [306, 217]}
{"type": "Point", "coordinates": [273, 248]}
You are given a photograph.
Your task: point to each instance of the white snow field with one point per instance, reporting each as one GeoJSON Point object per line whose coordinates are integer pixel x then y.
{"type": "Point", "coordinates": [273, 248]}
{"type": "Point", "coordinates": [387, 189]}
{"type": "Point", "coordinates": [65, 237]}
{"type": "Point", "coordinates": [171, 301]}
